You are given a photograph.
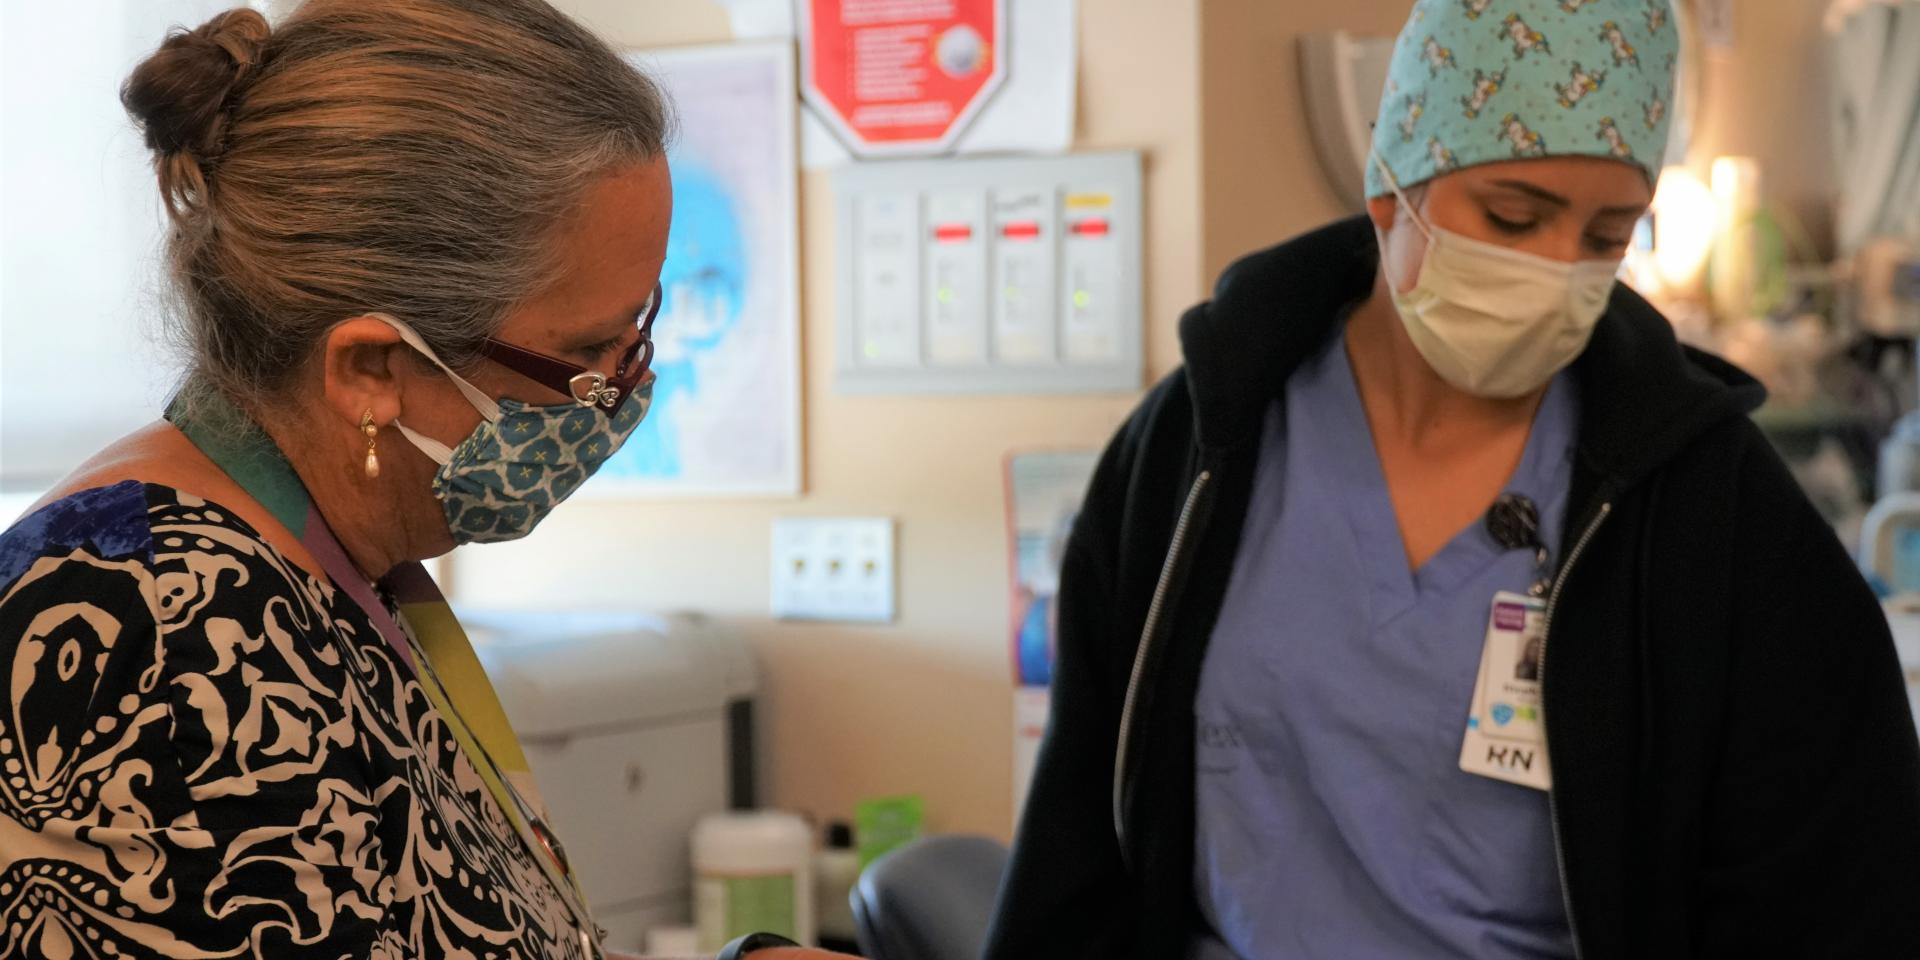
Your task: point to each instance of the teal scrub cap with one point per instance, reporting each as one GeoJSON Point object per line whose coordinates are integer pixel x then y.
{"type": "Point", "coordinates": [1478, 81]}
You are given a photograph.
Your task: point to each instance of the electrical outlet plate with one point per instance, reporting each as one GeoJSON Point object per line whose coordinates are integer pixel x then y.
{"type": "Point", "coordinates": [833, 569]}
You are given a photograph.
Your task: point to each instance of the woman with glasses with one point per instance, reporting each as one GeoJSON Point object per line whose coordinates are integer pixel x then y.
{"type": "Point", "coordinates": [415, 247]}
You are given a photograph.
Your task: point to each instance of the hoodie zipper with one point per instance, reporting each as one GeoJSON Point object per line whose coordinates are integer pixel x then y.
{"type": "Point", "coordinates": [1546, 630]}
{"type": "Point", "coordinates": [1156, 613]}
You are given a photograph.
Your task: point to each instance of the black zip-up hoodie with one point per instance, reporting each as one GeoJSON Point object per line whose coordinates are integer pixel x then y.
{"type": "Point", "coordinates": [1735, 769]}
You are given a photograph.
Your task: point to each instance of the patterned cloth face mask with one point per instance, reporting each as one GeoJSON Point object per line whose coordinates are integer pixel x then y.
{"type": "Point", "coordinates": [523, 459]}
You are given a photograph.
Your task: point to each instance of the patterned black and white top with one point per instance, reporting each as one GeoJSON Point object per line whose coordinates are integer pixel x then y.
{"type": "Point", "coordinates": [210, 752]}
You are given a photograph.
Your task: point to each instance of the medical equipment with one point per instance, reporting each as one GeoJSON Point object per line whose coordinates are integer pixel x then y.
{"type": "Point", "coordinates": [1887, 274]}
{"type": "Point", "coordinates": [635, 727]}
{"type": "Point", "coordinates": [1887, 293]}
{"type": "Point", "coordinates": [1004, 275]}
{"type": "Point", "coordinates": [1890, 553]}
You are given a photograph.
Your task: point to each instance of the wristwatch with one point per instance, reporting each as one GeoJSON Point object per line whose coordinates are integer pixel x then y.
{"type": "Point", "coordinates": [739, 949]}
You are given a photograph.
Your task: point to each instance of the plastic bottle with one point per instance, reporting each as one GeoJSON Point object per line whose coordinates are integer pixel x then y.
{"type": "Point", "coordinates": [673, 941]}
{"type": "Point", "coordinates": [752, 873]}
{"type": "Point", "coordinates": [835, 871]}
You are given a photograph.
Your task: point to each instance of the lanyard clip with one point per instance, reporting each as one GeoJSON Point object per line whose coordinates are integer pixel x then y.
{"type": "Point", "coordinates": [1514, 523]}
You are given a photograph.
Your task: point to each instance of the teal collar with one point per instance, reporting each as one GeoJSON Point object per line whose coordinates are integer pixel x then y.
{"type": "Point", "coordinates": [240, 448]}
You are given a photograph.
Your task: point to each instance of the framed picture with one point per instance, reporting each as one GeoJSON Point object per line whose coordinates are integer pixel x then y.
{"type": "Point", "coordinates": [726, 408]}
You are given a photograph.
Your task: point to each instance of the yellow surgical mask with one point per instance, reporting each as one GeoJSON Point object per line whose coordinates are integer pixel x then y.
{"type": "Point", "coordinates": [1492, 321]}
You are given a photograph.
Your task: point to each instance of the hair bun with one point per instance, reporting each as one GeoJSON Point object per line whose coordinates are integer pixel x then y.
{"type": "Point", "coordinates": [180, 94]}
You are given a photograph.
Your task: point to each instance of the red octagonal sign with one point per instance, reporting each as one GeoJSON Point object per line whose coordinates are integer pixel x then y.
{"type": "Point", "coordinates": [900, 77]}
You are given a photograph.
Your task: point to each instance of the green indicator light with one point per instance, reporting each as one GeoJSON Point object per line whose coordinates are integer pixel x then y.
{"type": "Point", "coordinates": [944, 294]}
{"type": "Point", "coordinates": [1081, 298]}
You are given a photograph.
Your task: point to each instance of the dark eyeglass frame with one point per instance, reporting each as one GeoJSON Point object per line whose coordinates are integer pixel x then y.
{"type": "Point", "coordinates": [589, 388]}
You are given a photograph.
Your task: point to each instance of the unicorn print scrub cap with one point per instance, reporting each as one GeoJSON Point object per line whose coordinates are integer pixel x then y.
{"type": "Point", "coordinates": [1479, 81]}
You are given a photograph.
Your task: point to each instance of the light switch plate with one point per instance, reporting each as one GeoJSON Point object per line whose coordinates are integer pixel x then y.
{"type": "Point", "coordinates": [833, 569]}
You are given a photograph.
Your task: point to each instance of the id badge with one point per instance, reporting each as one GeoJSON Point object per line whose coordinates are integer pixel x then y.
{"type": "Point", "coordinates": [1506, 732]}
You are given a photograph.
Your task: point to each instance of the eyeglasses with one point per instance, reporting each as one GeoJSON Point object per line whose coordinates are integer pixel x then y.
{"type": "Point", "coordinates": [589, 388]}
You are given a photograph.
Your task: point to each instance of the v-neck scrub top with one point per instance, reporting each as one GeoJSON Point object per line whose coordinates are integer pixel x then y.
{"type": "Point", "coordinates": [1332, 816]}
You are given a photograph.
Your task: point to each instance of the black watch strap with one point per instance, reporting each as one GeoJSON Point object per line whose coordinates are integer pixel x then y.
{"type": "Point", "coordinates": [738, 949]}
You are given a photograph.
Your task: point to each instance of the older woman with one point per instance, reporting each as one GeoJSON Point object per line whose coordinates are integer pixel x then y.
{"type": "Point", "coordinates": [1444, 606]}
{"type": "Point", "coordinates": [416, 246]}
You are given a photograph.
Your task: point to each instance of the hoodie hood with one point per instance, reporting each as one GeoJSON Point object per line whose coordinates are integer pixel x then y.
{"type": "Point", "coordinates": [1643, 396]}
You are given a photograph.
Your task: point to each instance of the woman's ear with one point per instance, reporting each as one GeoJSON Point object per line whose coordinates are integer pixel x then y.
{"type": "Point", "coordinates": [1381, 210]}
{"type": "Point", "coordinates": [1402, 252]}
{"type": "Point", "coordinates": [361, 365]}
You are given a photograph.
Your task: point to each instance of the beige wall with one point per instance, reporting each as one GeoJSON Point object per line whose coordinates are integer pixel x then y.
{"type": "Point", "coordinates": [1261, 177]}
{"type": "Point", "coordinates": [923, 706]}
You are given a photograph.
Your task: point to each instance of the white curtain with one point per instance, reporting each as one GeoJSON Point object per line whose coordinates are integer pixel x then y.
{"type": "Point", "coordinates": [1875, 51]}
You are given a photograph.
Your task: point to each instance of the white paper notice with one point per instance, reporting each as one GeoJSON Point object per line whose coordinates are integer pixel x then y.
{"type": "Point", "coordinates": [760, 19]}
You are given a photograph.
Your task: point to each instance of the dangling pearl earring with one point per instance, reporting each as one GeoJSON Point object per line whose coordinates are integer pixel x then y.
{"type": "Point", "coordinates": [373, 460]}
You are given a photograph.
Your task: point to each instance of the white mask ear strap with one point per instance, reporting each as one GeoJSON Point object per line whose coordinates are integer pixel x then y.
{"type": "Point", "coordinates": [481, 402]}
{"type": "Point", "coordinates": [436, 451]}
{"type": "Point", "coordinates": [1392, 184]}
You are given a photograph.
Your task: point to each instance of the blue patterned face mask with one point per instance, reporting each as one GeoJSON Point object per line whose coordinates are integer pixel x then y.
{"type": "Point", "coordinates": [522, 460]}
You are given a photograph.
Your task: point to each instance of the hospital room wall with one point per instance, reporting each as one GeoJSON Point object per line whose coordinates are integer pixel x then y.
{"type": "Point", "coordinates": [921, 706]}
{"type": "Point", "coordinates": [1261, 177]}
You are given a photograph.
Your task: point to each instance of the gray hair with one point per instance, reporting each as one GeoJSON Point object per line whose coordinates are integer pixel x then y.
{"type": "Point", "coordinates": [412, 157]}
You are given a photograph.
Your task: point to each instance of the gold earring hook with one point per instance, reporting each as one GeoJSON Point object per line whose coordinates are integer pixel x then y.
{"type": "Point", "coordinates": [368, 430]}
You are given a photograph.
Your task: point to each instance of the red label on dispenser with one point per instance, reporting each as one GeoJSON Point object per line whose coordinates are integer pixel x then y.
{"type": "Point", "coordinates": [1021, 230]}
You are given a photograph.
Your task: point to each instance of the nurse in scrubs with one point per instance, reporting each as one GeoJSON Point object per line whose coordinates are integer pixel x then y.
{"type": "Point", "coordinates": [1442, 605]}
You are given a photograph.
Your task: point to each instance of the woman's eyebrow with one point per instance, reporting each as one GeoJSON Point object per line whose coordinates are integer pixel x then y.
{"type": "Point", "coordinates": [1538, 193]}
{"type": "Point", "coordinates": [1547, 196]}
{"type": "Point", "coordinates": [607, 330]}
{"type": "Point", "coordinates": [1636, 211]}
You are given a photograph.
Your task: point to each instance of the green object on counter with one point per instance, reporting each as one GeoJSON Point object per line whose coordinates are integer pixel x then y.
{"type": "Point", "coordinates": [882, 824]}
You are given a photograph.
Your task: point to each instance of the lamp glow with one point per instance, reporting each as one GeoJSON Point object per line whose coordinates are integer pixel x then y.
{"type": "Point", "coordinates": [1684, 215]}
